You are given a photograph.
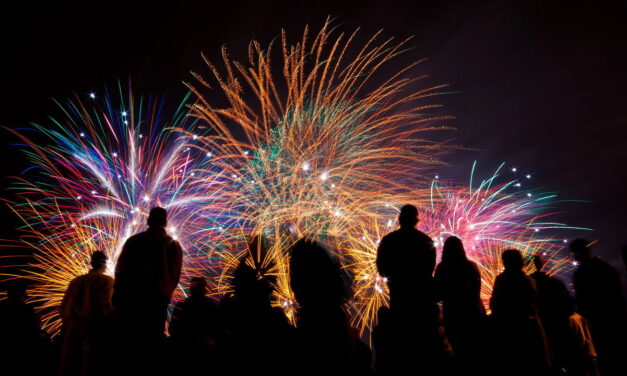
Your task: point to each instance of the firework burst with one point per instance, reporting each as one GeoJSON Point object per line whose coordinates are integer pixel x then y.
{"type": "Point", "coordinates": [96, 173]}
{"type": "Point", "coordinates": [489, 218]}
{"type": "Point", "coordinates": [322, 147]}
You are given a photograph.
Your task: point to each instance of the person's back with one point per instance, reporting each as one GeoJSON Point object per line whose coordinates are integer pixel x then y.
{"type": "Point", "coordinates": [520, 344]}
{"type": "Point", "coordinates": [599, 298]}
{"type": "Point", "coordinates": [408, 334]}
{"type": "Point", "coordinates": [148, 268]}
{"type": "Point", "coordinates": [258, 330]}
{"type": "Point", "coordinates": [458, 285]}
{"type": "Point", "coordinates": [406, 258]}
{"type": "Point", "coordinates": [323, 329]}
{"type": "Point", "coordinates": [196, 328]}
{"type": "Point", "coordinates": [85, 307]}
{"type": "Point", "coordinates": [597, 289]}
{"type": "Point", "coordinates": [567, 333]}
{"type": "Point", "coordinates": [88, 297]}
{"type": "Point", "coordinates": [513, 296]}
{"type": "Point", "coordinates": [197, 319]}
{"type": "Point", "coordinates": [146, 275]}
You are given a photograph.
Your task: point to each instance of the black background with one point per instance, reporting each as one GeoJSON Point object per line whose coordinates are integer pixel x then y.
{"type": "Point", "coordinates": [539, 86]}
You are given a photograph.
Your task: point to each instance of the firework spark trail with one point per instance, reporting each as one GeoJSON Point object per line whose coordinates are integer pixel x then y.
{"type": "Point", "coordinates": [324, 147]}
{"type": "Point", "coordinates": [98, 172]}
{"type": "Point", "coordinates": [489, 218]}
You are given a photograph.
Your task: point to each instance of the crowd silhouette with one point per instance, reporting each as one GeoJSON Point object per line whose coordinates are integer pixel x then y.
{"type": "Point", "coordinates": [435, 324]}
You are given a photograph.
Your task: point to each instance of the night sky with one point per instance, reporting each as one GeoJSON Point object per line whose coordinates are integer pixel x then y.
{"type": "Point", "coordinates": [541, 87]}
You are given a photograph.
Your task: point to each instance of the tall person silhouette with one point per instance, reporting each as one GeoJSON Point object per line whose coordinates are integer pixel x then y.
{"type": "Point", "coordinates": [146, 275]}
{"type": "Point", "coordinates": [409, 336]}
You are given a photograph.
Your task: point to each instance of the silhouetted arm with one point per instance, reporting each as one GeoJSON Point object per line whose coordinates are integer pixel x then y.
{"type": "Point", "coordinates": [382, 259]}
{"type": "Point", "coordinates": [121, 265]}
{"type": "Point", "coordinates": [431, 257]}
{"type": "Point", "coordinates": [106, 297]}
{"type": "Point", "coordinates": [65, 309]}
{"type": "Point", "coordinates": [495, 299]}
{"type": "Point", "coordinates": [176, 322]}
{"type": "Point", "coordinates": [439, 282]}
{"type": "Point", "coordinates": [172, 267]}
{"type": "Point", "coordinates": [178, 262]}
{"type": "Point", "coordinates": [121, 270]}
{"type": "Point", "coordinates": [475, 279]}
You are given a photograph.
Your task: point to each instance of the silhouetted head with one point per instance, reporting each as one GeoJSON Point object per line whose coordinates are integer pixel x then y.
{"type": "Point", "coordinates": [539, 262]}
{"type": "Point", "coordinates": [512, 260]}
{"type": "Point", "coordinates": [624, 252]}
{"type": "Point", "coordinates": [453, 251]}
{"type": "Point", "coordinates": [315, 277]}
{"type": "Point", "coordinates": [580, 249]}
{"type": "Point", "coordinates": [197, 287]}
{"type": "Point", "coordinates": [408, 217]}
{"type": "Point", "coordinates": [158, 217]}
{"type": "Point", "coordinates": [98, 260]}
{"type": "Point", "coordinates": [16, 290]}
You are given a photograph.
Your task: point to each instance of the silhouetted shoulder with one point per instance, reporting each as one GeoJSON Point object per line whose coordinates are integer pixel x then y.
{"type": "Point", "coordinates": [404, 235]}
{"type": "Point", "coordinates": [133, 240]}
{"type": "Point", "coordinates": [602, 265]}
{"type": "Point", "coordinates": [424, 237]}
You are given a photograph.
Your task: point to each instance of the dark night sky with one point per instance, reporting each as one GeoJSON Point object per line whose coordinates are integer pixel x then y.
{"type": "Point", "coordinates": [541, 87]}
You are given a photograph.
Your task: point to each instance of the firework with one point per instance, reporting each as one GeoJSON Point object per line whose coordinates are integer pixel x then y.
{"type": "Point", "coordinates": [323, 147]}
{"type": "Point", "coordinates": [488, 218]}
{"type": "Point", "coordinates": [328, 149]}
{"type": "Point", "coordinates": [96, 173]}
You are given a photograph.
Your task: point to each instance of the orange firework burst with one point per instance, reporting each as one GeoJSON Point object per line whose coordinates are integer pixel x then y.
{"type": "Point", "coordinates": [321, 150]}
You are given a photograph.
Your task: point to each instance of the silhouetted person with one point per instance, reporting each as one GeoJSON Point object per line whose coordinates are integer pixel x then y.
{"type": "Point", "coordinates": [197, 319]}
{"type": "Point", "coordinates": [146, 275]}
{"type": "Point", "coordinates": [458, 283]}
{"type": "Point", "coordinates": [624, 254]}
{"type": "Point", "coordinates": [600, 299]}
{"type": "Point", "coordinates": [520, 346]}
{"type": "Point", "coordinates": [409, 339]}
{"type": "Point", "coordinates": [567, 332]}
{"type": "Point", "coordinates": [258, 330]}
{"type": "Point", "coordinates": [84, 310]}
{"type": "Point", "coordinates": [327, 341]}
{"type": "Point", "coordinates": [196, 327]}
{"type": "Point", "coordinates": [21, 343]}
